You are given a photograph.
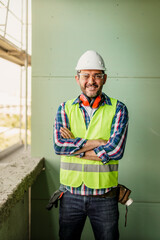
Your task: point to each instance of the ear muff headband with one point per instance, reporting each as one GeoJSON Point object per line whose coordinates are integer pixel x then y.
{"type": "Point", "coordinates": [94, 103]}
{"type": "Point", "coordinates": [85, 100]}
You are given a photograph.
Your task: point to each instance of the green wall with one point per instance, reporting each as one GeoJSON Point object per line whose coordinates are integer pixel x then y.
{"type": "Point", "coordinates": [127, 35]}
{"type": "Point", "coordinates": [15, 226]}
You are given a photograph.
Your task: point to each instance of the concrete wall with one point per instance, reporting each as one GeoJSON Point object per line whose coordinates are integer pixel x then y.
{"type": "Point", "coordinates": [126, 34]}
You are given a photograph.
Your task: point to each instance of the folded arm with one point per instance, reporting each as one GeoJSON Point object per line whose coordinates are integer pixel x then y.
{"type": "Point", "coordinates": [88, 146]}
{"type": "Point", "coordinates": [65, 146]}
{"type": "Point", "coordinates": [100, 150]}
{"type": "Point", "coordinates": [114, 148]}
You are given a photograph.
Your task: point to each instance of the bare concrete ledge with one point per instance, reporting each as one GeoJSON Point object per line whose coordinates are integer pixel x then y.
{"type": "Point", "coordinates": [18, 171]}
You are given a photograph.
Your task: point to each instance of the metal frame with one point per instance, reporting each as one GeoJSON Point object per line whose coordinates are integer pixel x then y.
{"type": "Point", "coordinates": [26, 68]}
{"type": "Point", "coordinates": [27, 61]}
{"type": "Point", "coordinates": [6, 21]}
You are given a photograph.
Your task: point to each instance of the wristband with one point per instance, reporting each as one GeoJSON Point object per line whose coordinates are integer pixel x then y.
{"type": "Point", "coordinates": [82, 154]}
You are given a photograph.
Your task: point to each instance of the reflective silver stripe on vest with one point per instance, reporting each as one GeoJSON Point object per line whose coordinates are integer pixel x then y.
{"type": "Point", "coordinates": [71, 166]}
{"type": "Point", "coordinates": [89, 167]}
{"type": "Point", "coordinates": [100, 168]}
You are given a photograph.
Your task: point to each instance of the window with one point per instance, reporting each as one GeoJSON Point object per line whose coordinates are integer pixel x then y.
{"type": "Point", "coordinates": [15, 74]}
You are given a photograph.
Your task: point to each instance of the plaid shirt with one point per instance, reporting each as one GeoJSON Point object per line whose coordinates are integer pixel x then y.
{"type": "Point", "coordinates": [113, 150]}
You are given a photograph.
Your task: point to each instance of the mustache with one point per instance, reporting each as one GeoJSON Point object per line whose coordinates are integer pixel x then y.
{"type": "Point", "coordinates": [92, 85]}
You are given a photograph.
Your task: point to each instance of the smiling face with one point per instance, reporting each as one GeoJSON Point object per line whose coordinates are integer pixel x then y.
{"type": "Point", "coordinates": [91, 86]}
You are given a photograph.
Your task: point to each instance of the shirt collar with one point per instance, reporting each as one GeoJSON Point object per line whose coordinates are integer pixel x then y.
{"type": "Point", "coordinates": [107, 100]}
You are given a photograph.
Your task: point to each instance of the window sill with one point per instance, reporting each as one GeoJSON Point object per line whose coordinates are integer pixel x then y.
{"type": "Point", "coordinates": [18, 171]}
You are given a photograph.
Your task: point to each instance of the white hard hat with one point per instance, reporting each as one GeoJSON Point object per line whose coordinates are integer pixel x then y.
{"type": "Point", "coordinates": [90, 60]}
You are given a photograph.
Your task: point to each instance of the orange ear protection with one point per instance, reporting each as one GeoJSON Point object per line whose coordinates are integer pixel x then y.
{"type": "Point", "coordinates": [94, 103]}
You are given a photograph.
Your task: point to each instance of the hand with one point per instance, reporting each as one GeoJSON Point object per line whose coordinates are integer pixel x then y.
{"type": "Point", "coordinates": [90, 155]}
{"type": "Point", "coordinates": [91, 144]}
{"type": "Point", "coordinates": [66, 133]}
{"type": "Point", "coordinates": [102, 142]}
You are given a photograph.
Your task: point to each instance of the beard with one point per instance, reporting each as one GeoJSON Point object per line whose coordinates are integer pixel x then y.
{"type": "Point", "coordinates": [87, 90]}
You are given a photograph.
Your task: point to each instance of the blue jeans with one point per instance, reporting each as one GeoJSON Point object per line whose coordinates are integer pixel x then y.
{"type": "Point", "coordinates": [102, 212]}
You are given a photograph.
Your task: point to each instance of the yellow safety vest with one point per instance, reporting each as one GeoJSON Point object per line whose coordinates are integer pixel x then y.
{"type": "Point", "coordinates": [75, 171]}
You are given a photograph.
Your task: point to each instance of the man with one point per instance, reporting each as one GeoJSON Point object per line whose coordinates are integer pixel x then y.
{"type": "Point", "coordinates": [90, 135]}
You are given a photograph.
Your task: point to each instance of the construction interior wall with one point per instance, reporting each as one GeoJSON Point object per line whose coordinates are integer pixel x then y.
{"type": "Point", "coordinates": [16, 225]}
{"type": "Point", "coordinates": [126, 34]}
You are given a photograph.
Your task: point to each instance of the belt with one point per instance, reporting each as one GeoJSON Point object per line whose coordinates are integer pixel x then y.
{"type": "Point", "coordinates": [111, 193]}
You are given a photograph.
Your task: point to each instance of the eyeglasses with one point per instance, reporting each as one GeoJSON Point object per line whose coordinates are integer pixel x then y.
{"type": "Point", "coordinates": [96, 76]}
